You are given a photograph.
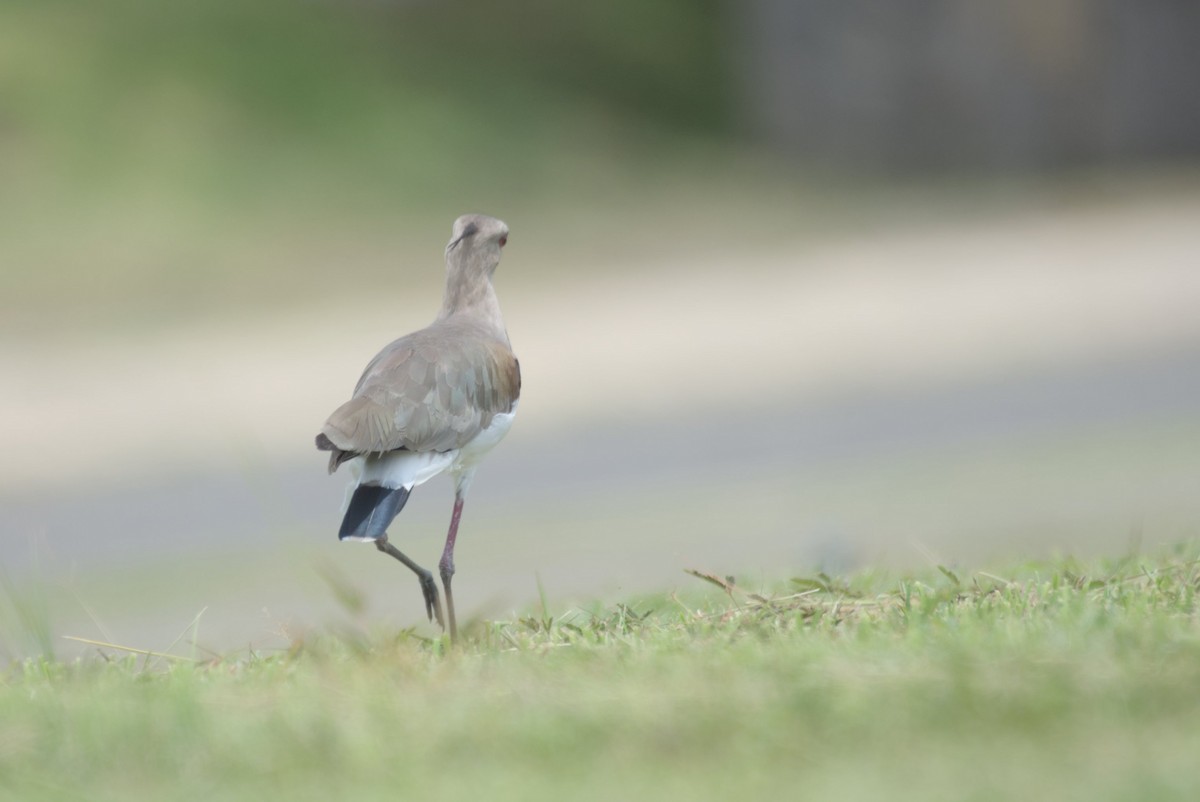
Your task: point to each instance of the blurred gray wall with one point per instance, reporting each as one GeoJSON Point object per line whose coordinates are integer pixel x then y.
{"type": "Point", "coordinates": [1014, 84]}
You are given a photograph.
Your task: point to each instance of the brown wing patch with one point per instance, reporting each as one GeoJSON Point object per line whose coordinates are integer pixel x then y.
{"type": "Point", "coordinates": [362, 425]}
{"type": "Point", "coordinates": [430, 391]}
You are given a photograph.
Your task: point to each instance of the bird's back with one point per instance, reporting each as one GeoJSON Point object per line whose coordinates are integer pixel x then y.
{"type": "Point", "coordinates": [433, 390]}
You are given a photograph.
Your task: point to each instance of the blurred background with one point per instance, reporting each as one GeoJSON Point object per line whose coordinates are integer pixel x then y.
{"type": "Point", "coordinates": [795, 287]}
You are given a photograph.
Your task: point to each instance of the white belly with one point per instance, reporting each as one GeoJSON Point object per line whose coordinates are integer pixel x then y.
{"type": "Point", "coordinates": [485, 441]}
{"type": "Point", "coordinates": [408, 469]}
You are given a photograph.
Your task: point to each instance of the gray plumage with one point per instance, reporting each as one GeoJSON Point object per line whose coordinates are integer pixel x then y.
{"type": "Point", "coordinates": [434, 401]}
{"type": "Point", "coordinates": [437, 388]}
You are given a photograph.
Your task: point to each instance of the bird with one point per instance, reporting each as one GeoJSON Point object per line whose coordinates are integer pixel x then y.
{"type": "Point", "coordinates": [432, 402]}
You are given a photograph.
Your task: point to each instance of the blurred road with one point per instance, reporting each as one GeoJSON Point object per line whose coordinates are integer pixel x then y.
{"type": "Point", "coordinates": [593, 466]}
{"type": "Point", "coordinates": [1079, 461]}
{"type": "Point", "coordinates": [951, 395]}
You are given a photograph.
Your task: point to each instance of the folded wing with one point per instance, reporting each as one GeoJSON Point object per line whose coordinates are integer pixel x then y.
{"type": "Point", "coordinates": [434, 390]}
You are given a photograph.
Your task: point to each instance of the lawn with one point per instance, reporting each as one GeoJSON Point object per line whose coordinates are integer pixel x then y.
{"type": "Point", "coordinates": [1043, 681]}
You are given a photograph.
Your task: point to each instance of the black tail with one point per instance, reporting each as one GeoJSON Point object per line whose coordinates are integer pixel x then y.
{"type": "Point", "coordinates": [371, 510]}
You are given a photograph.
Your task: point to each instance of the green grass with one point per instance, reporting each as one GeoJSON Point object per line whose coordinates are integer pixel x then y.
{"type": "Point", "coordinates": [1051, 681]}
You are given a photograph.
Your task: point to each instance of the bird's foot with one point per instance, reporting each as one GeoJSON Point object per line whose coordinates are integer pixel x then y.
{"type": "Point", "coordinates": [433, 603]}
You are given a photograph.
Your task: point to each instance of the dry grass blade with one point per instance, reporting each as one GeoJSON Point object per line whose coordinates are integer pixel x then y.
{"type": "Point", "coordinates": [130, 649]}
{"type": "Point", "coordinates": [723, 584]}
{"type": "Point", "coordinates": [807, 602]}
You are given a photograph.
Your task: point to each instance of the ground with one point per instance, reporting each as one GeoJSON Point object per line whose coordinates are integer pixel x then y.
{"type": "Point", "coordinates": [1064, 680]}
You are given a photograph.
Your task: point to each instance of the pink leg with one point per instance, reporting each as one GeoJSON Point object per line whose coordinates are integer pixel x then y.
{"type": "Point", "coordinates": [447, 564]}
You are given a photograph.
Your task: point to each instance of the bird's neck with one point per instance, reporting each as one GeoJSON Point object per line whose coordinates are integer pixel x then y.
{"type": "Point", "coordinates": [469, 292]}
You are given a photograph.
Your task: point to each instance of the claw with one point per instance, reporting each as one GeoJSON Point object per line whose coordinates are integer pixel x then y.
{"type": "Point", "coordinates": [433, 604]}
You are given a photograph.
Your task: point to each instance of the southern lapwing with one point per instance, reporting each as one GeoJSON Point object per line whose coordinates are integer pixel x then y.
{"type": "Point", "coordinates": [434, 401]}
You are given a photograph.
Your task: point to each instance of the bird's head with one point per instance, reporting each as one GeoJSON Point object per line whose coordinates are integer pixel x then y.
{"type": "Point", "coordinates": [477, 237]}
{"type": "Point", "coordinates": [471, 259]}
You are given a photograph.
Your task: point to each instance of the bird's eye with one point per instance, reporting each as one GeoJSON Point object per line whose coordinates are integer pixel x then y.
{"type": "Point", "coordinates": [503, 240]}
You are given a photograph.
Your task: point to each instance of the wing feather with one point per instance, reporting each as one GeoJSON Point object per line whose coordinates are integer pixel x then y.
{"type": "Point", "coordinates": [434, 390]}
